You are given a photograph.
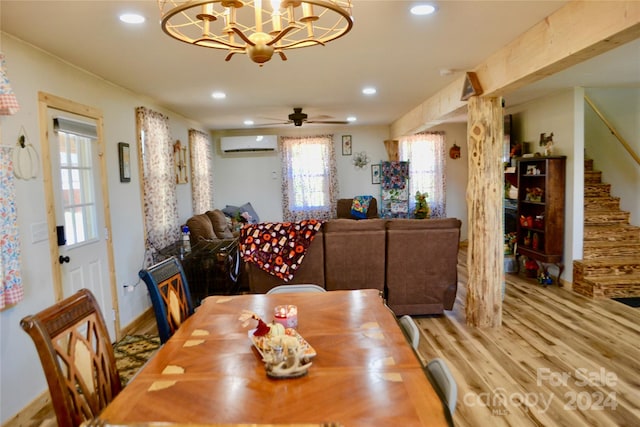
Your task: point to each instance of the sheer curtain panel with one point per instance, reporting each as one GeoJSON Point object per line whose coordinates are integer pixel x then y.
{"type": "Point", "coordinates": [158, 178]}
{"type": "Point", "coordinates": [201, 171]}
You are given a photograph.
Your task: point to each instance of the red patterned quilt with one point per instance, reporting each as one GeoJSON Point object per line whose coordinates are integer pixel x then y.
{"type": "Point", "coordinates": [278, 247]}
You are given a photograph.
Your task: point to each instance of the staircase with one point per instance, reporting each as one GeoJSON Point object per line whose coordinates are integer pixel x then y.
{"type": "Point", "coordinates": [610, 267]}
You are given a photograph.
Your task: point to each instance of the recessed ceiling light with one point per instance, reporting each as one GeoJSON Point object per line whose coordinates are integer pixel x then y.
{"type": "Point", "coordinates": [132, 18]}
{"type": "Point", "coordinates": [351, 119]}
{"type": "Point", "coordinates": [369, 90]}
{"type": "Point", "coordinates": [423, 9]}
{"type": "Point", "coordinates": [218, 95]}
{"type": "Point", "coordinates": [248, 122]}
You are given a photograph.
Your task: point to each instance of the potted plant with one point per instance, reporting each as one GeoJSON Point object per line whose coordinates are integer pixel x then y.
{"type": "Point", "coordinates": [422, 207]}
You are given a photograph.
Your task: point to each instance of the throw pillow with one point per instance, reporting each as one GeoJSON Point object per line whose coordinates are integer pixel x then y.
{"type": "Point", "coordinates": [231, 211]}
{"type": "Point", "coordinates": [360, 206]}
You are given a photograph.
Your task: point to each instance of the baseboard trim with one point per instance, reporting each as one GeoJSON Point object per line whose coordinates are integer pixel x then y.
{"type": "Point", "coordinates": [25, 417]}
{"type": "Point", "coordinates": [138, 323]}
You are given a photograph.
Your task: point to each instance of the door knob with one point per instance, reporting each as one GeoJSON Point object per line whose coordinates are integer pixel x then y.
{"type": "Point", "coordinates": [64, 259]}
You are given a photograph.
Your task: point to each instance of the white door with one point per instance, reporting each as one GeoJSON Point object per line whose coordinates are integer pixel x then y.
{"type": "Point", "coordinates": [79, 210]}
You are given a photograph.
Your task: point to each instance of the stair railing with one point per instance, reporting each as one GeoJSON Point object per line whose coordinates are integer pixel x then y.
{"type": "Point", "coordinates": [613, 131]}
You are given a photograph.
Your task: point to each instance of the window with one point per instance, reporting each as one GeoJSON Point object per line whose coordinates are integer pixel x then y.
{"type": "Point", "coordinates": [77, 183]}
{"type": "Point", "coordinates": [309, 177]}
{"type": "Point", "coordinates": [426, 155]}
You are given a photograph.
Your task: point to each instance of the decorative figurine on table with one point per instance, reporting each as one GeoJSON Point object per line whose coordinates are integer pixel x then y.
{"type": "Point", "coordinates": [279, 347]}
{"type": "Point", "coordinates": [546, 142]}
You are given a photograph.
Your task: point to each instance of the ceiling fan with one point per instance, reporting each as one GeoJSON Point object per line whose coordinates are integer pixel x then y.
{"type": "Point", "coordinates": [298, 118]}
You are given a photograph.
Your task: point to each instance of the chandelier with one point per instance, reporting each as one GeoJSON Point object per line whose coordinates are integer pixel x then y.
{"type": "Point", "coordinates": [256, 29]}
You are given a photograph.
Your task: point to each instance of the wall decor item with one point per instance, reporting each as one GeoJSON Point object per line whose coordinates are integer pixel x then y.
{"type": "Point", "coordinates": [360, 160]}
{"type": "Point", "coordinates": [346, 145]}
{"type": "Point", "coordinates": [375, 173]}
{"type": "Point", "coordinates": [454, 152]}
{"type": "Point", "coordinates": [124, 156]}
{"type": "Point", "coordinates": [180, 162]}
{"type": "Point", "coordinates": [471, 86]}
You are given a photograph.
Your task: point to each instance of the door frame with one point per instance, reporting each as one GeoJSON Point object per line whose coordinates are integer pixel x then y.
{"type": "Point", "coordinates": [45, 102]}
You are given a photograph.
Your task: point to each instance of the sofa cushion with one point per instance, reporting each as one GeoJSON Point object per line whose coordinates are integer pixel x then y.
{"type": "Point", "coordinates": [219, 223]}
{"type": "Point", "coordinates": [354, 254]}
{"type": "Point", "coordinates": [200, 228]}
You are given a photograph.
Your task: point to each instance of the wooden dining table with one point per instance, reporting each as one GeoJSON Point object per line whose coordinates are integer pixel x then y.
{"type": "Point", "coordinates": [364, 373]}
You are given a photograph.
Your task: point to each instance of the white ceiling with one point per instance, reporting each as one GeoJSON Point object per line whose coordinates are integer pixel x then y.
{"type": "Point", "coordinates": [400, 54]}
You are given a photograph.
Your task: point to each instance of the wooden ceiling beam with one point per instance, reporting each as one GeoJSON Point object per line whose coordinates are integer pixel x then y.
{"type": "Point", "coordinates": [578, 31]}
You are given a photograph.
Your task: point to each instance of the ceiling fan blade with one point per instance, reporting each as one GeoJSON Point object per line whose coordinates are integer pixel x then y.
{"type": "Point", "coordinates": [329, 122]}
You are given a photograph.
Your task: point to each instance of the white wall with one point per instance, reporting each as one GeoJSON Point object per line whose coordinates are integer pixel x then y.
{"type": "Point", "coordinates": [621, 107]}
{"type": "Point", "coordinates": [30, 71]}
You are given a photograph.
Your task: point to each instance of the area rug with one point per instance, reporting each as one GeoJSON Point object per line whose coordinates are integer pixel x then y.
{"type": "Point", "coordinates": [132, 352]}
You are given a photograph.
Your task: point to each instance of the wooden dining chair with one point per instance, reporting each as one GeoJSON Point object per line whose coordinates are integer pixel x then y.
{"type": "Point", "coordinates": [302, 287]}
{"type": "Point", "coordinates": [443, 381]}
{"type": "Point", "coordinates": [411, 330]}
{"type": "Point", "coordinates": [77, 357]}
{"type": "Point", "coordinates": [170, 295]}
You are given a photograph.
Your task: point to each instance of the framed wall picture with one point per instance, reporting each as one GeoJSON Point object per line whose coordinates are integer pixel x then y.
{"type": "Point", "coordinates": [346, 145]}
{"type": "Point", "coordinates": [124, 156]}
{"type": "Point", "coordinates": [375, 174]}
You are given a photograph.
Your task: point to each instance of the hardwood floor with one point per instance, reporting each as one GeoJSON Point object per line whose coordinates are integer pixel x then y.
{"type": "Point", "coordinates": [559, 359]}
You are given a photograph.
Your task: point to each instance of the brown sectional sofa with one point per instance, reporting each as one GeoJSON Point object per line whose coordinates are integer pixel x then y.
{"type": "Point", "coordinates": [413, 261]}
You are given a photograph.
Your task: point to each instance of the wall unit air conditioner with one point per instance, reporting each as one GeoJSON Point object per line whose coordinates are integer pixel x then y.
{"type": "Point", "coordinates": [237, 144]}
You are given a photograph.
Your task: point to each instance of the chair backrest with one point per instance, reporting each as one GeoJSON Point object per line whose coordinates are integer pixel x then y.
{"type": "Point", "coordinates": [170, 296]}
{"type": "Point", "coordinates": [411, 330]}
{"type": "Point", "coordinates": [283, 289]}
{"type": "Point", "coordinates": [440, 376]}
{"type": "Point", "coordinates": [77, 357]}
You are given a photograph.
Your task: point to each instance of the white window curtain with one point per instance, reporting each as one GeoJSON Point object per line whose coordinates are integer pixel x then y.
{"type": "Point", "coordinates": [309, 177]}
{"type": "Point", "coordinates": [201, 171]}
{"type": "Point", "coordinates": [425, 153]}
{"type": "Point", "coordinates": [158, 178]}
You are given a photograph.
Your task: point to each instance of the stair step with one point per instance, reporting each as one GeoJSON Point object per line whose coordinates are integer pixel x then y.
{"type": "Point", "coordinates": [592, 177]}
{"type": "Point", "coordinates": [598, 249]}
{"type": "Point", "coordinates": [606, 267]}
{"type": "Point", "coordinates": [612, 233]}
{"type": "Point", "coordinates": [597, 190]}
{"type": "Point", "coordinates": [588, 164]}
{"type": "Point", "coordinates": [605, 216]}
{"type": "Point", "coordinates": [621, 286]}
{"type": "Point", "coordinates": [598, 203]}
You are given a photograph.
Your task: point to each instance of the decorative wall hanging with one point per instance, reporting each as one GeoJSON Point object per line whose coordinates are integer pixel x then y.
{"type": "Point", "coordinates": [375, 173]}
{"type": "Point", "coordinates": [471, 86]}
{"type": "Point", "coordinates": [346, 145]}
{"type": "Point", "coordinates": [8, 101]}
{"type": "Point", "coordinates": [454, 152]}
{"type": "Point", "coordinates": [25, 158]}
{"type": "Point", "coordinates": [360, 160]}
{"type": "Point", "coordinates": [180, 162]}
{"type": "Point", "coordinates": [124, 157]}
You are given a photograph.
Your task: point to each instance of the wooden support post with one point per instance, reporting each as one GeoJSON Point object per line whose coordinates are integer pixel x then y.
{"type": "Point", "coordinates": [485, 257]}
{"type": "Point", "coordinates": [391, 145]}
